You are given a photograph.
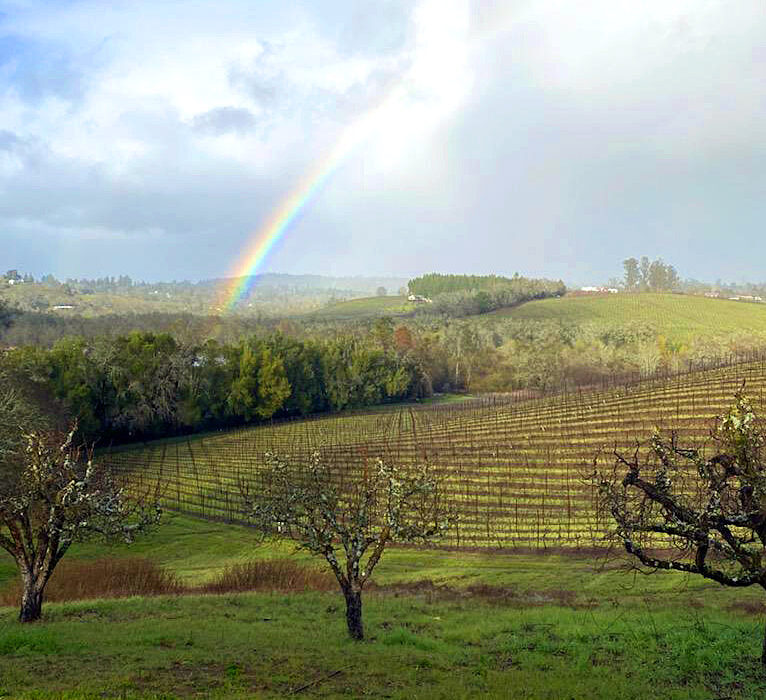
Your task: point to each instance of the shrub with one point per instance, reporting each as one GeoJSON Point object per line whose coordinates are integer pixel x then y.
{"type": "Point", "coordinates": [270, 575]}
{"type": "Point", "coordinates": [102, 578]}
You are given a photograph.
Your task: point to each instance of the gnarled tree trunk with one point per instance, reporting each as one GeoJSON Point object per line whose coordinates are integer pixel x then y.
{"type": "Point", "coordinates": [31, 600]}
{"type": "Point", "coordinates": [763, 651]}
{"type": "Point", "coordinates": [354, 613]}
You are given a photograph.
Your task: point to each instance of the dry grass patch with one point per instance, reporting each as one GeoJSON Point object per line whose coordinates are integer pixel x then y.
{"type": "Point", "coordinates": [284, 575]}
{"type": "Point", "coordinates": [101, 578]}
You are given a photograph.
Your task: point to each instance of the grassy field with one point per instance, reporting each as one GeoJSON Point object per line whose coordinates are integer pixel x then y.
{"type": "Point", "coordinates": [440, 625]}
{"type": "Point", "coordinates": [368, 307]}
{"type": "Point", "coordinates": [676, 316]}
{"type": "Point", "coordinates": [29, 297]}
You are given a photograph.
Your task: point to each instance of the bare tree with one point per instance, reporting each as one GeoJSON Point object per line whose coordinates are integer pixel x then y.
{"type": "Point", "coordinates": [51, 495]}
{"type": "Point", "coordinates": [348, 521]}
{"type": "Point", "coordinates": [698, 510]}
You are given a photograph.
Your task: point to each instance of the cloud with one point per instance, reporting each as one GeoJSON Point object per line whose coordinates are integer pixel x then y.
{"type": "Point", "coordinates": [36, 70]}
{"type": "Point", "coordinates": [223, 120]}
{"type": "Point", "coordinates": [531, 135]}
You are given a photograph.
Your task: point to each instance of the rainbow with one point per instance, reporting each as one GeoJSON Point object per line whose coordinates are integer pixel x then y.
{"type": "Point", "coordinates": [267, 237]}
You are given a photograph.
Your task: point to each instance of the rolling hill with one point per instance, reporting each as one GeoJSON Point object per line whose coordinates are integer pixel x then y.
{"type": "Point", "coordinates": [678, 317]}
{"type": "Point", "coordinates": [516, 472]}
{"type": "Point", "coordinates": [364, 308]}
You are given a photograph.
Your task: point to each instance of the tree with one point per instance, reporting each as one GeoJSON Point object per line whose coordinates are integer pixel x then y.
{"type": "Point", "coordinates": [261, 388]}
{"type": "Point", "coordinates": [632, 275]}
{"type": "Point", "coordinates": [679, 509]}
{"type": "Point", "coordinates": [347, 520]}
{"type": "Point", "coordinates": [52, 495]}
{"type": "Point", "coordinates": [381, 292]}
{"type": "Point", "coordinates": [382, 333]}
{"type": "Point", "coordinates": [644, 266]}
{"type": "Point", "coordinates": [403, 340]}
{"type": "Point", "coordinates": [7, 314]}
{"type": "Point", "coordinates": [658, 276]}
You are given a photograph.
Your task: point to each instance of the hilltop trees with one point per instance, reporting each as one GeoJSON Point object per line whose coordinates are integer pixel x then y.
{"type": "Point", "coordinates": [464, 295]}
{"type": "Point", "coordinates": [679, 509]}
{"type": "Point", "coordinates": [632, 279]}
{"type": "Point", "coordinates": [646, 276]}
{"type": "Point", "coordinates": [346, 519]}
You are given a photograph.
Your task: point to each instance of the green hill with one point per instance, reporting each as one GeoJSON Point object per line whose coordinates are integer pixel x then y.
{"type": "Point", "coordinates": [367, 307]}
{"type": "Point", "coordinates": [679, 317]}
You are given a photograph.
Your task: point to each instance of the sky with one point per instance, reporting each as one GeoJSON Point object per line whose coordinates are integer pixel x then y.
{"type": "Point", "coordinates": [157, 139]}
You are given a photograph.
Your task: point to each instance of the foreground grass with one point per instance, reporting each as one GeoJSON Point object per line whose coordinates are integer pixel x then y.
{"type": "Point", "coordinates": [440, 625]}
{"type": "Point", "coordinates": [251, 645]}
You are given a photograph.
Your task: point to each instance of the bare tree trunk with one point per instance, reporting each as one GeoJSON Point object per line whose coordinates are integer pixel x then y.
{"type": "Point", "coordinates": [31, 601]}
{"type": "Point", "coordinates": [354, 613]}
{"type": "Point", "coordinates": [763, 651]}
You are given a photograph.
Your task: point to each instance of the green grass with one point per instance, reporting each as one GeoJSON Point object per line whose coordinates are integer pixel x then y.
{"type": "Point", "coordinates": [368, 307]}
{"type": "Point", "coordinates": [678, 317]}
{"type": "Point", "coordinates": [556, 626]}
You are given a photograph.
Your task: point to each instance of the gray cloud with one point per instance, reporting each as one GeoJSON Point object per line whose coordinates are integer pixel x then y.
{"type": "Point", "coordinates": [223, 120]}
{"type": "Point", "coordinates": [588, 133]}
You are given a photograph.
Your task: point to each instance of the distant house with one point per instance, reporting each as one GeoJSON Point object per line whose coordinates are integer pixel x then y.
{"type": "Point", "coordinates": [62, 307]}
{"type": "Point", "coordinates": [13, 277]}
{"type": "Point", "coordinates": [417, 299]}
{"type": "Point", "coordinates": [744, 297]}
{"type": "Point", "coordinates": [599, 290]}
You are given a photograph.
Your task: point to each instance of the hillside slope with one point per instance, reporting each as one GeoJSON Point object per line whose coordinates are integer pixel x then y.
{"type": "Point", "coordinates": [366, 307]}
{"type": "Point", "coordinates": [515, 472]}
{"type": "Point", "coordinates": [679, 317]}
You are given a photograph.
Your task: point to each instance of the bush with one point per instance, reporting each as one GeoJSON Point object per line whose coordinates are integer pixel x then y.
{"type": "Point", "coordinates": [282, 575]}
{"type": "Point", "coordinates": [101, 578]}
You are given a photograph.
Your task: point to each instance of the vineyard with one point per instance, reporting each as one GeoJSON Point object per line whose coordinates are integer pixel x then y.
{"type": "Point", "coordinates": [679, 317]}
{"type": "Point", "coordinates": [515, 471]}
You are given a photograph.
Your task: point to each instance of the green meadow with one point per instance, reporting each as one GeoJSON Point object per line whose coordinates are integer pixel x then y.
{"type": "Point", "coordinates": [366, 307]}
{"type": "Point", "coordinates": [679, 317]}
{"type": "Point", "coordinates": [439, 624]}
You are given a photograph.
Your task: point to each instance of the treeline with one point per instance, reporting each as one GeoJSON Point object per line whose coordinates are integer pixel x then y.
{"type": "Point", "coordinates": [44, 330]}
{"type": "Point", "coordinates": [432, 284]}
{"type": "Point", "coordinates": [649, 276]}
{"type": "Point", "coordinates": [146, 385]}
{"type": "Point", "coordinates": [468, 295]}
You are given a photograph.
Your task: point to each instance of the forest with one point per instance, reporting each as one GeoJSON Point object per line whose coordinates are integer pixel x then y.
{"type": "Point", "coordinates": [468, 295]}
{"type": "Point", "coordinates": [144, 384]}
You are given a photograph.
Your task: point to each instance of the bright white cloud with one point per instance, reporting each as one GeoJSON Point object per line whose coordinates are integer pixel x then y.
{"type": "Point", "coordinates": [466, 129]}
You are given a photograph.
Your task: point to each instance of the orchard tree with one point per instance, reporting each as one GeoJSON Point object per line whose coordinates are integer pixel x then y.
{"type": "Point", "coordinates": [348, 521]}
{"type": "Point", "coordinates": [51, 495]}
{"type": "Point", "coordinates": [690, 509]}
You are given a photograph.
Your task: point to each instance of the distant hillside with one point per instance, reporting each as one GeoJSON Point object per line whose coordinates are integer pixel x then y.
{"type": "Point", "coordinates": [677, 316]}
{"type": "Point", "coordinates": [270, 294]}
{"type": "Point", "coordinates": [468, 295]}
{"type": "Point", "coordinates": [367, 307]}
